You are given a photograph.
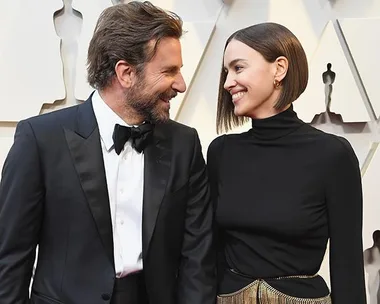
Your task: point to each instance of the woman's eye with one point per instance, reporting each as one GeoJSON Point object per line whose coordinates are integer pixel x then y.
{"type": "Point", "coordinates": [238, 68]}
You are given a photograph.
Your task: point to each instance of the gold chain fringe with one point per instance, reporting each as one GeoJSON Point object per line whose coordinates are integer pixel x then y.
{"type": "Point", "coordinates": [260, 292]}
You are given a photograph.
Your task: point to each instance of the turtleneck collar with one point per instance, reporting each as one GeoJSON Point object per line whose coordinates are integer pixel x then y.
{"type": "Point", "coordinates": [276, 126]}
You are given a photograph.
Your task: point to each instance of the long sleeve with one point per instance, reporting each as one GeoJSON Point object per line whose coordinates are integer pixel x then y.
{"type": "Point", "coordinates": [197, 283]}
{"type": "Point", "coordinates": [345, 212]}
{"type": "Point", "coordinates": [213, 163]}
{"type": "Point", "coordinates": [214, 156]}
{"type": "Point", "coordinates": [21, 197]}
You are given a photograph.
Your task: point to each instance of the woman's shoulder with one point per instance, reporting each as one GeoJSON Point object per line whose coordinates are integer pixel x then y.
{"type": "Point", "coordinates": [216, 144]}
{"type": "Point", "coordinates": [333, 145]}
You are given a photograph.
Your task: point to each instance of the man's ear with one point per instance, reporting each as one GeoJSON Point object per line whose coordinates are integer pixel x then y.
{"type": "Point", "coordinates": [282, 65]}
{"type": "Point", "coordinates": [125, 73]}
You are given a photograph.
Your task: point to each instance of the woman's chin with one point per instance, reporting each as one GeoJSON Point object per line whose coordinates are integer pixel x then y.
{"type": "Point", "coordinates": [238, 112]}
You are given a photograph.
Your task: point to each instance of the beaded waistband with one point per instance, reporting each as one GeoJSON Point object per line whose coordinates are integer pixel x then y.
{"type": "Point", "coordinates": [303, 276]}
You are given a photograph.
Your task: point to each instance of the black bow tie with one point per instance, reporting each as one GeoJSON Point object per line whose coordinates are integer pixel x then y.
{"type": "Point", "coordinates": [140, 136]}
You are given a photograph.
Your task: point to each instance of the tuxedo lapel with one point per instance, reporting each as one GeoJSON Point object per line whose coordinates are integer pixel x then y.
{"type": "Point", "coordinates": [85, 149]}
{"type": "Point", "coordinates": [157, 161]}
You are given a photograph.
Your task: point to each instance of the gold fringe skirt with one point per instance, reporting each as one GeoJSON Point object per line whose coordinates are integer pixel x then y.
{"type": "Point", "coordinates": [260, 292]}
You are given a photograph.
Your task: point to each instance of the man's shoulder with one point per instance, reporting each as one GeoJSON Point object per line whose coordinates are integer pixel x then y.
{"type": "Point", "coordinates": [176, 128]}
{"type": "Point", "coordinates": [55, 118]}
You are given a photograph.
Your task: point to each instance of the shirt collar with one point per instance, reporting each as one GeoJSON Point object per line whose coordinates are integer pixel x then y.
{"type": "Point", "coordinates": [106, 119]}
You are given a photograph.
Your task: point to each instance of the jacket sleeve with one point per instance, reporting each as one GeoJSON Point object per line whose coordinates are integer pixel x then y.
{"type": "Point", "coordinates": [21, 200]}
{"type": "Point", "coordinates": [197, 282]}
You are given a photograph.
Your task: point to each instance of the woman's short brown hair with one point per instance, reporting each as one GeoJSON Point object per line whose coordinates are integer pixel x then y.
{"type": "Point", "coordinates": [271, 40]}
{"type": "Point", "coordinates": [123, 32]}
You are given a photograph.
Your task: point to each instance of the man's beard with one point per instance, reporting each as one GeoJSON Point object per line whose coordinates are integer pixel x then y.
{"type": "Point", "coordinates": [148, 105]}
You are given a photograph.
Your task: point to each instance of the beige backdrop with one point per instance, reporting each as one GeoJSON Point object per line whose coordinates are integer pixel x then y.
{"type": "Point", "coordinates": [43, 49]}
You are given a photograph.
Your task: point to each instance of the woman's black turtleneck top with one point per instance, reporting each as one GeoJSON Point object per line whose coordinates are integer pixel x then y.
{"type": "Point", "coordinates": [281, 191]}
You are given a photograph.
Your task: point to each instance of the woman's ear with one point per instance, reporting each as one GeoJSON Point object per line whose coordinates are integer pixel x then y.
{"type": "Point", "coordinates": [281, 68]}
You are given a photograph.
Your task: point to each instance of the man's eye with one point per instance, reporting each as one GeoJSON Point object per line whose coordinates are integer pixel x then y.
{"type": "Point", "coordinates": [171, 71]}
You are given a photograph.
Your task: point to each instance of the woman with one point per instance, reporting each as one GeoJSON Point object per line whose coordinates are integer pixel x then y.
{"type": "Point", "coordinates": [283, 188]}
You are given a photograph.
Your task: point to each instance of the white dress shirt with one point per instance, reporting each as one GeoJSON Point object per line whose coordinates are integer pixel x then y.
{"type": "Point", "coordinates": [125, 181]}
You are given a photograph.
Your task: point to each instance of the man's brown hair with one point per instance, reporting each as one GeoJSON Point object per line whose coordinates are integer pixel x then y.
{"type": "Point", "coordinates": [124, 32]}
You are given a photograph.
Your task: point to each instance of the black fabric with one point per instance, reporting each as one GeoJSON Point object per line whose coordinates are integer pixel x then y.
{"type": "Point", "coordinates": [130, 290]}
{"type": "Point", "coordinates": [140, 136]}
{"type": "Point", "coordinates": [280, 191]}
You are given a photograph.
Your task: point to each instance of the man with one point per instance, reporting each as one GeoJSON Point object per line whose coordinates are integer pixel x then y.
{"type": "Point", "coordinates": [114, 193]}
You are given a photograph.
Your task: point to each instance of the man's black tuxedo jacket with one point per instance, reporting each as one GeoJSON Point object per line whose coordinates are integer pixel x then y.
{"type": "Point", "coordinates": [54, 193]}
